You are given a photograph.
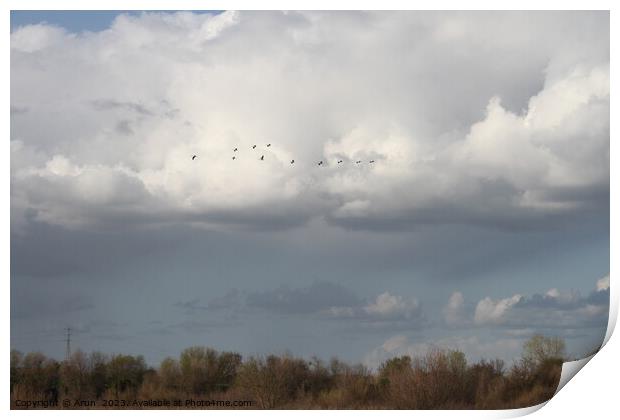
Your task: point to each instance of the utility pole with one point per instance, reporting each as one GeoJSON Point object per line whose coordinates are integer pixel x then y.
{"type": "Point", "coordinates": [68, 355]}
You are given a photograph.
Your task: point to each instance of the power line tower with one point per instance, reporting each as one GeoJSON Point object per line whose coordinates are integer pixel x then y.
{"type": "Point", "coordinates": [68, 355]}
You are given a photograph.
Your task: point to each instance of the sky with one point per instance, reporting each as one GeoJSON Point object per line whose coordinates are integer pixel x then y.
{"type": "Point", "coordinates": [482, 220]}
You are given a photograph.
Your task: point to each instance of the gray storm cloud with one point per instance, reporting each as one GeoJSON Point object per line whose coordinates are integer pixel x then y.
{"type": "Point", "coordinates": [513, 131]}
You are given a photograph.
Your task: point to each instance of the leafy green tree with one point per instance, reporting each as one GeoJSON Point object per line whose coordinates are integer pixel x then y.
{"type": "Point", "coordinates": [539, 348]}
{"type": "Point", "coordinates": [227, 367]}
{"type": "Point", "coordinates": [39, 377]}
{"type": "Point", "coordinates": [98, 373]}
{"type": "Point", "coordinates": [394, 365]}
{"type": "Point", "coordinates": [170, 374]}
{"type": "Point", "coordinates": [274, 381]}
{"type": "Point", "coordinates": [203, 370]}
{"type": "Point", "coordinates": [197, 367]}
{"type": "Point", "coordinates": [125, 373]}
{"type": "Point", "coordinates": [75, 376]}
{"type": "Point", "coordinates": [16, 360]}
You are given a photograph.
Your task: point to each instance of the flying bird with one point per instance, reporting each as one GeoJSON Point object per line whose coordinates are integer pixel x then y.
{"type": "Point", "coordinates": [340, 161]}
{"type": "Point", "coordinates": [262, 157]}
{"type": "Point", "coordinates": [254, 147]}
{"type": "Point", "coordinates": [194, 157]}
{"type": "Point", "coordinates": [292, 161]}
{"type": "Point", "coordinates": [358, 161]}
{"type": "Point", "coordinates": [269, 145]}
{"type": "Point", "coordinates": [372, 161]}
{"type": "Point", "coordinates": [234, 157]}
{"type": "Point", "coordinates": [320, 163]}
{"type": "Point", "coordinates": [235, 149]}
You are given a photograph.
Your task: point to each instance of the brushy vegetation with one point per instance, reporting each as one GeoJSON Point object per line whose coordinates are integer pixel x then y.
{"type": "Point", "coordinates": [440, 379]}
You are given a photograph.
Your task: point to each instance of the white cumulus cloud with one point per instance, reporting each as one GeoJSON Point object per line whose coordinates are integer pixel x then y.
{"type": "Point", "coordinates": [489, 311]}
{"type": "Point", "coordinates": [602, 283]}
{"type": "Point", "coordinates": [465, 121]}
{"type": "Point", "coordinates": [454, 311]}
{"type": "Point", "coordinates": [385, 307]}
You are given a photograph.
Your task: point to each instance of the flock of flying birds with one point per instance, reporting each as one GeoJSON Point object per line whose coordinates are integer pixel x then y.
{"type": "Point", "coordinates": [319, 163]}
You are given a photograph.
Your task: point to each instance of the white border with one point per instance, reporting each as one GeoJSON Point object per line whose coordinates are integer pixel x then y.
{"type": "Point", "coordinates": [305, 5]}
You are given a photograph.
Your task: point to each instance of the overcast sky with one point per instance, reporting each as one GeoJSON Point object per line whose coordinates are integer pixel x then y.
{"type": "Point", "coordinates": [484, 218]}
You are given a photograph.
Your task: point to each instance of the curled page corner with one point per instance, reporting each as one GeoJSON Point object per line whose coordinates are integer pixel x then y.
{"type": "Point", "coordinates": [613, 313]}
{"type": "Point", "coordinates": [520, 412]}
{"type": "Point", "coordinates": [570, 369]}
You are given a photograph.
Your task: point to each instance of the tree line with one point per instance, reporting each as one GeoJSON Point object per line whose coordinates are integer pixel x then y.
{"type": "Point", "coordinates": [439, 379]}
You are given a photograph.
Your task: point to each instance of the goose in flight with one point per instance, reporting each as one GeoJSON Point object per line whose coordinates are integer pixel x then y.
{"type": "Point", "coordinates": [254, 147]}
{"type": "Point", "coordinates": [292, 161]}
{"type": "Point", "coordinates": [235, 149]}
{"type": "Point", "coordinates": [320, 163]}
{"type": "Point", "coordinates": [372, 161]}
{"type": "Point", "coordinates": [268, 144]}
{"type": "Point", "coordinates": [234, 157]}
{"type": "Point", "coordinates": [194, 157]}
{"type": "Point", "coordinates": [340, 161]}
{"type": "Point", "coordinates": [262, 157]}
{"type": "Point", "coordinates": [358, 161]}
